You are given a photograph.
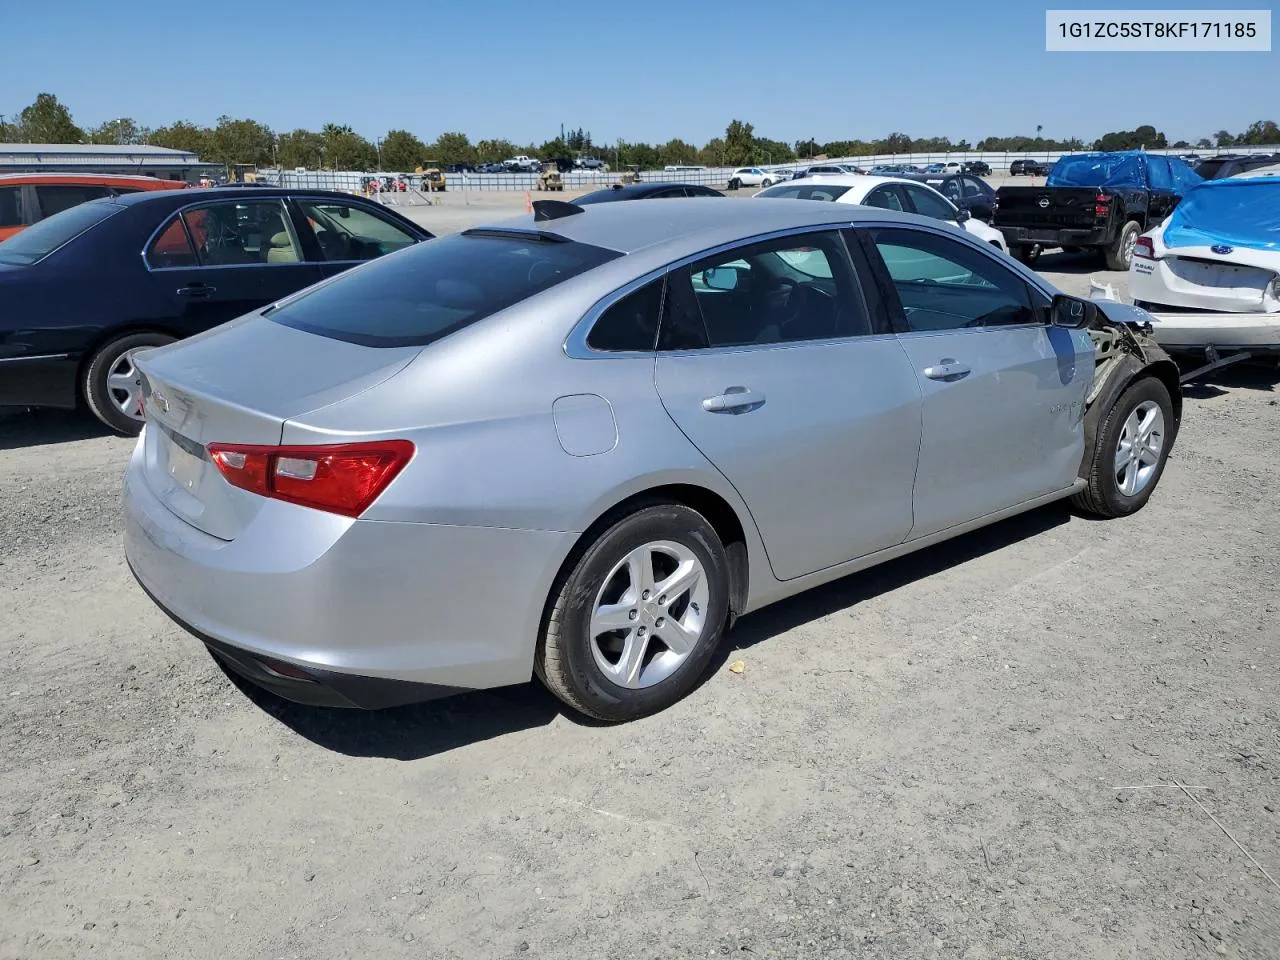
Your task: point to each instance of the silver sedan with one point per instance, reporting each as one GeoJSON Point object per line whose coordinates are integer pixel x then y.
{"type": "Point", "coordinates": [579, 443]}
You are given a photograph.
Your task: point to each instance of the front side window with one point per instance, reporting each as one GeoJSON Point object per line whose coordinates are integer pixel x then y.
{"type": "Point", "coordinates": [928, 203]}
{"type": "Point", "coordinates": [437, 288]}
{"type": "Point", "coordinates": [631, 323]}
{"type": "Point", "coordinates": [54, 198]}
{"type": "Point", "coordinates": [242, 233]}
{"type": "Point", "coordinates": [779, 291]}
{"type": "Point", "coordinates": [348, 232]}
{"type": "Point", "coordinates": [943, 284]}
{"type": "Point", "coordinates": [950, 189]}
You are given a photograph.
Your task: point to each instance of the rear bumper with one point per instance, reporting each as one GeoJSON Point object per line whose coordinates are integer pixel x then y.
{"type": "Point", "coordinates": [1224, 291]}
{"type": "Point", "coordinates": [1193, 331]}
{"type": "Point", "coordinates": [370, 613]}
{"type": "Point", "coordinates": [1054, 236]}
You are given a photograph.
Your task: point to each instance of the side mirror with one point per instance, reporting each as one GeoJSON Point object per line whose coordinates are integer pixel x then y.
{"type": "Point", "coordinates": [720, 278]}
{"type": "Point", "coordinates": [1072, 312]}
{"type": "Point", "coordinates": [961, 215]}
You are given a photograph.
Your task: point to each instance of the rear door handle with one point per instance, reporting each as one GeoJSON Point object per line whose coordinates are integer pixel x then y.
{"type": "Point", "coordinates": [196, 290]}
{"type": "Point", "coordinates": [733, 400]}
{"type": "Point", "coordinates": [946, 369]}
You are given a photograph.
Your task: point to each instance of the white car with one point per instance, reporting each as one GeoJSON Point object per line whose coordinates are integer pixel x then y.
{"type": "Point", "coordinates": [1210, 273]}
{"type": "Point", "coordinates": [752, 177]}
{"type": "Point", "coordinates": [891, 193]}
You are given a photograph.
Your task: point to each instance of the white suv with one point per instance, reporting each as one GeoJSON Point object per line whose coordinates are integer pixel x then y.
{"type": "Point", "coordinates": [752, 177]}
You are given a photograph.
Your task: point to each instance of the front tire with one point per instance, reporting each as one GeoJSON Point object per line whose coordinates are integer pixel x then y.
{"type": "Point", "coordinates": [634, 624]}
{"type": "Point", "coordinates": [734, 184]}
{"type": "Point", "coordinates": [112, 385]}
{"type": "Point", "coordinates": [1132, 449]}
{"type": "Point", "coordinates": [1027, 253]}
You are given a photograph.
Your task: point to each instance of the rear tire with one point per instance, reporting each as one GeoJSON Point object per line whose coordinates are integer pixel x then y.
{"type": "Point", "coordinates": [1027, 253]}
{"type": "Point", "coordinates": [1120, 254]}
{"type": "Point", "coordinates": [645, 664]}
{"type": "Point", "coordinates": [735, 184]}
{"type": "Point", "coordinates": [113, 385]}
{"type": "Point", "coordinates": [1144, 406]}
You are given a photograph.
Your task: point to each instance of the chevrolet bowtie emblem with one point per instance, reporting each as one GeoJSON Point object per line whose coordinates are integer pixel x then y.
{"type": "Point", "coordinates": [161, 401]}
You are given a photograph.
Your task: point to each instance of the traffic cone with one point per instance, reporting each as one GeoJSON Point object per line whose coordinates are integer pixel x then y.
{"type": "Point", "coordinates": [528, 202]}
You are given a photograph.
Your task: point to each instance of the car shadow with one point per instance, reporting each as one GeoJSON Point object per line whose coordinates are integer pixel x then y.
{"type": "Point", "coordinates": [1083, 262]}
{"type": "Point", "coordinates": [1262, 374]}
{"type": "Point", "coordinates": [856, 588]}
{"type": "Point", "coordinates": [21, 428]}
{"type": "Point", "coordinates": [425, 730]}
{"type": "Point", "coordinates": [417, 731]}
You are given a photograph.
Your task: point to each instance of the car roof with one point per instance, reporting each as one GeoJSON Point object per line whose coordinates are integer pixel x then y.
{"type": "Point", "coordinates": [633, 190]}
{"type": "Point", "coordinates": [681, 227]}
{"type": "Point", "coordinates": [107, 178]}
{"type": "Point", "coordinates": [230, 193]}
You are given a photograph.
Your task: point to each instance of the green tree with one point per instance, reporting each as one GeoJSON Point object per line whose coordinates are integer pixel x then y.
{"type": "Point", "coordinates": [1204, 143]}
{"type": "Point", "coordinates": [453, 148]}
{"type": "Point", "coordinates": [402, 151]}
{"type": "Point", "coordinates": [1145, 136]}
{"type": "Point", "coordinates": [344, 149]}
{"type": "Point", "coordinates": [241, 141]}
{"type": "Point", "coordinates": [713, 154]}
{"type": "Point", "coordinates": [772, 151]}
{"type": "Point", "coordinates": [48, 121]}
{"type": "Point", "coordinates": [493, 151]}
{"type": "Point", "coordinates": [182, 136]}
{"type": "Point", "coordinates": [677, 152]}
{"type": "Point", "coordinates": [552, 149]}
{"type": "Point", "coordinates": [1260, 133]}
{"type": "Point", "coordinates": [1224, 138]}
{"type": "Point", "coordinates": [739, 143]}
{"type": "Point", "coordinates": [300, 148]}
{"type": "Point", "coordinates": [123, 130]}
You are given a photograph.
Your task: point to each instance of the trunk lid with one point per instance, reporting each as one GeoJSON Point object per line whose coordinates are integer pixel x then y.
{"type": "Point", "coordinates": [239, 383]}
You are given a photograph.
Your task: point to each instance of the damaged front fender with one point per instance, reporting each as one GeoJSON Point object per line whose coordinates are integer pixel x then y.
{"type": "Point", "coordinates": [1125, 352]}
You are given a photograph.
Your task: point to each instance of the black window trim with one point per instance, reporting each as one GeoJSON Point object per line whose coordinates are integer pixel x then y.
{"type": "Point", "coordinates": [886, 288]}
{"type": "Point", "coordinates": [575, 345]}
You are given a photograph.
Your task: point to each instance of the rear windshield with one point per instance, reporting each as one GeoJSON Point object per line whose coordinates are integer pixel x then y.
{"type": "Point", "coordinates": [805, 191]}
{"type": "Point", "coordinates": [432, 289]}
{"type": "Point", "coordinates": [41, 239]}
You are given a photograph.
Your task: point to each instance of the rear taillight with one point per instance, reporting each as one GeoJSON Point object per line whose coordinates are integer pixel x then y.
{"type": "Point", "coordinates": [339, 478]}
{"type": "Point", "coordinates": [1144, 248]}
{"type": "Point", "coordinates": [1101, 205]}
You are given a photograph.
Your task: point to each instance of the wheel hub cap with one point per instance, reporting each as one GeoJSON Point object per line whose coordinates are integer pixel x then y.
{"type": "Point", "coordinates": [124, 385]}
{"type": "Point", "coordinates": [1139, 448]}
{"type": "Point", "coordinates": [649, 615]}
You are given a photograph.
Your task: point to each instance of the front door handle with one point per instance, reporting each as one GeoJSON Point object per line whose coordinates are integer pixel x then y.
{"type": "Point", "coordinates": [196, 290]}
{"type": "Point", "coordinates": [733, 400]}
{"type": "Point", "coordinates": [946, 369]}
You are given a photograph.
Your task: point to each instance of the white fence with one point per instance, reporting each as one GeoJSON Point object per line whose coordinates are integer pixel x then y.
{"type": "Point", "coordinates": [578, 180]}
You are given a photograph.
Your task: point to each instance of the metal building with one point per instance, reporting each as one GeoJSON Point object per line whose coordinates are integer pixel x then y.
{"type": "Point", "coordinates": [147, 161]}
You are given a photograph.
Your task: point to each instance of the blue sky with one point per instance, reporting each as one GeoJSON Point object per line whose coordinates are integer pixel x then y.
{"type": "Point", "coordinates": [638, 70]}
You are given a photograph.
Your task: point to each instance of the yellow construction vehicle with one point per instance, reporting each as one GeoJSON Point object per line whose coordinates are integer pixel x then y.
{"type": "Point", "coordinates": [433, 178]}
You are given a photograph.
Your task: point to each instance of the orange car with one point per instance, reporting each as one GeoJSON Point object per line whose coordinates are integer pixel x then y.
{"type": "Point", "coordinates": [26, 198]}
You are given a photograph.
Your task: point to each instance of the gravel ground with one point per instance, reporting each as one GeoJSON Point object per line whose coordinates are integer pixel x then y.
{"type": "Point", "coordinates": [969, 753]}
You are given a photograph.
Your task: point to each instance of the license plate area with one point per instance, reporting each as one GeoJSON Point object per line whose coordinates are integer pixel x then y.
{"type": "Point", "coordinates": [183, 468]}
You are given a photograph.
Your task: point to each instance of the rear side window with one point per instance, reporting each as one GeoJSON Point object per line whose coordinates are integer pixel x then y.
{"type": "Point", "coordinates": [171, 247]}
{"type": "Point", "coordinates": [11, 207]}
{"type": "Point", "coordinates": [631, 323]}
{"type": "Point", "coordinates": [438, 287]}
{"type": "Point", "coordinates": [41, 239]}
{"type": "Point", "coordinates": [55, 198]}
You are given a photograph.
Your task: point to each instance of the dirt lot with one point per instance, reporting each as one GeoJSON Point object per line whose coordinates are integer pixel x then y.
{"type": "Point", "coordinates": [969, 753]}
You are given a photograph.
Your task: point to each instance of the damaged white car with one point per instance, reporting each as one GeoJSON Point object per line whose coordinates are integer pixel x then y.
{"type": "Point", "coordinates": [1209, 275]}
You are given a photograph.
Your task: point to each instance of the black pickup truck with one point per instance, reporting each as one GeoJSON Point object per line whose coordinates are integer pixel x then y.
{"type": "Point", "coordinates": [1101, 201]}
